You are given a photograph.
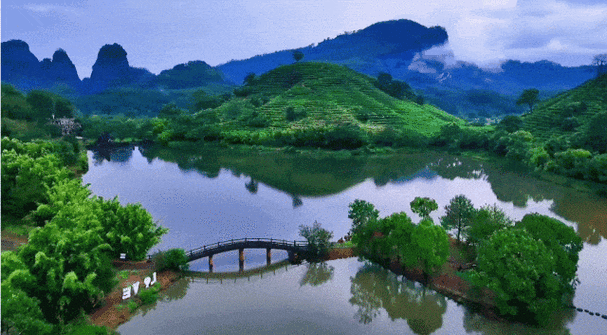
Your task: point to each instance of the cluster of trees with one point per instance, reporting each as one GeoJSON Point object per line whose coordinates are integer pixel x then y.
{"type": "Point", "coordinates": [396, 88]}
{"type": "Point", "coordinates": [65, 268]}
{"type": "Point", "coordinates": [424, 245]}
{"type": "Point", "coordinates": [583, 156]}
{"type": "Point", "coordinates": [27, 116]}
{"type": "Point", "coordinates": [530, 265]}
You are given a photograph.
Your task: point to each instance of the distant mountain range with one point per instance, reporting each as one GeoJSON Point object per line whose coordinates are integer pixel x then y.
{"type": "Point", "coordinates": [111, 70]}
{"type": "Point", "coordinates": [405, 49]}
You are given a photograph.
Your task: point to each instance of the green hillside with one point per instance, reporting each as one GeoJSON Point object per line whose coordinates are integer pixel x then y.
{"type": "Point", "coordinates": [568, 112]}
{"type": "Point", "coordinates": [310, 101]}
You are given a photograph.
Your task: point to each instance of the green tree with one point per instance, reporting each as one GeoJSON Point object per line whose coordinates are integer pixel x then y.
{"type": "Point", "coordinates": [487, 221]}
{"type": "Point", "coordinates": [249, 79]}
{"type": "Point", "coordinates": [21, 313]}
{"type": "Point", "coordinates": [67, 270]}
{"type": "Point", "coordinates": [600, 62]}
{"type": "Point", "coordinates": [318, 240]}
{"type": "Point", "coordinates": [431, 245]}
{"type": "Point", "coordinates": [560, 239]}
{"type": "Point", "coordinates": [298, 55]}
{"type": "Point", "coordinates": [521, 272]}
{"type": "Point", "coordinates": [528, 97]}
{"type": "Point", "coordinates": [423, 206]}
{"type": "Point", "coordinates": [459, 214]}
{"type": "Point", "coordinates": [361, 213]}
{"type": "Point", "coordinates": [43, 105]}
{"type": "Point", "coordinates": [172, 259]}
{"type": "Point", "coordinates": [594, 134]}
{"type": "Point", "coordinates": [510, 123]}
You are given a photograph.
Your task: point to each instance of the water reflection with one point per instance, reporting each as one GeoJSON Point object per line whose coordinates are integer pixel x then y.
{"type": "Point", "coordinates": [317, 274]}
{"type": "Point", "coordinates": [115, 154]}
{"type": "Point", "coordinates": [252, 186]}
{"type": "Point", "coordinates": [375, 288]}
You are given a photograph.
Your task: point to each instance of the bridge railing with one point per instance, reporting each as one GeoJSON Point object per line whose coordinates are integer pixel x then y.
{"type": "Point", "coordinates": [272, 241]}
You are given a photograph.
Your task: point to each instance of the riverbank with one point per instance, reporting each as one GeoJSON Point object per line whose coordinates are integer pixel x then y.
{"type": "Point", "coordinates": [115, 311]}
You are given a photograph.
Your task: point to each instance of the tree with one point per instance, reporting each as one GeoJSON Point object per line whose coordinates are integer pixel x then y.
{"type": "Point", "coordinates": [521, 272]}
{"type": "Point", "coordinates": [458, 215]}
{"type": "Point", "coordinates": [594, 134]}
{"type": "Point", "coordinates": [487, 221]}
{"type": "Point", "coordinates": [528, 97]}
{"type": "Point", "coordinates": [431, 245]}
{"type": "Point", "coordinates": [600, 61]}
{"type": "Point", "coordinates": [560, 239]}
{"type": "Point", "coordinates": [43, 105]}
{"type": "Point", "coordinates": [510, 123]}
{"type": "Point", "coordinates": [250, 78]}
{"type": "Point", "coordinates": [318, 240]}
{"type": "Point", "coordinates": [298, 55]}
{"type": "Point", "coordinates": [361, 213]}
{"type": "Point", "coordinates": [423, 206]}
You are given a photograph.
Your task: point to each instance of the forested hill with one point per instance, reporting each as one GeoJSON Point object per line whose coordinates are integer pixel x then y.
{"type": "Point", "coordinates": [312, 104]}
{"type": "Point", "coordinates": [572, 114]}
{"type": "Point", "coordinates": [360, 50]}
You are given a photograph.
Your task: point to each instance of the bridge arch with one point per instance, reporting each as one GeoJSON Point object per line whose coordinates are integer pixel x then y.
{"type": "Point", "coordinates": [293, 248]}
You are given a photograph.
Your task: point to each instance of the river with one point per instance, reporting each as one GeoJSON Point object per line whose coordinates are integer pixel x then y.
{"type": "Point", "coordinates": [213, 194]}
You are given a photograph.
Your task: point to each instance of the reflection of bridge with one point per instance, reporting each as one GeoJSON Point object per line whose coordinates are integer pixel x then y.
{"type": "Point", "coordinates": [292, 247]}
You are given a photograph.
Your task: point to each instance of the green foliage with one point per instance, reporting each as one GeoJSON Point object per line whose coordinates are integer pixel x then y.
{"type": "Point", "coordinates": [431, 245]}
{"type": "Point", "coordinates": [361, 213]}
{"type": "Point", "coordinates": [169, 111]}
{"type": "Point", "coordinates": [594, 133]}
{"type": "Point", "coordinates": [521, 272]}
{"type": "Point", "coordinates": [459, 214]}
{"type": "Point", "coordinates": [560, 239]}
{"type": "Point", "coordinates": [132, 305]}
{"type": "Point", "coordinates": [150, 295]}
{"type": "Point", "coordinates": [65, 269]}
{"type": "Point", "coordinates": [423, 207]}
{"type": "Point", "coordinates": [25, 179]}
{"type": "Point", "coordinates": [487, 221]}
{"type": "Point", "coordinates": [529, 97]}
{"type": "Point", "coordinates": [21, 313]}
{"type": "Point", "coordinates": [318, 240]}
{"type": "Point", "coordinates": [172, 259]}
{"type": "Point", "coordinates": [510, 123]}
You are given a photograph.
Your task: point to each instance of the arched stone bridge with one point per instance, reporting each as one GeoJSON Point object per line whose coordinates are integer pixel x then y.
{"type": "Point", "coordinates": [292, 247]}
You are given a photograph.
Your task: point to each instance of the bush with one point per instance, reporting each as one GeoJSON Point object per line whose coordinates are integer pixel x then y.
{"type": "Point", "coordinates": [173, 259]}
{"type": "Point", "coordinates": [318, 240]}
{"type": "Point", "coordinates": [150, 295]}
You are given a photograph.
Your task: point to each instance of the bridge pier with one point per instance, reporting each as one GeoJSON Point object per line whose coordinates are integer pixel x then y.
{"type": "Point", "coordinates": [241, 259]}
{"type": "Point", "coordinates": [292, 256]}
{"type": "Point", "coordinates": [268, 256]}
{"type": "Point", "coordinates": [210, 263]}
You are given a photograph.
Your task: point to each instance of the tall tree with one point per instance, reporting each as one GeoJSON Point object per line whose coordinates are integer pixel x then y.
{"type": "Point", "coordinates": [423, 206]}
{"type": "Point", "coordinates": [528, 97]}
{"type": "Point", "coordinates": [458, 215]}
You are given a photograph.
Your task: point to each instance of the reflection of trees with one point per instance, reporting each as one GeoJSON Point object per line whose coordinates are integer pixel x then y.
{"type": "Point", "coordinates": [109, 153]}
{"type": "Point", "coordinates": [476, 323]}
{"type": "Point", "coordinates": [252, 186]}
{"type": "Point", "coordinates": [317, 274]}
{"type": "Point", "coordinates": [374, 287]}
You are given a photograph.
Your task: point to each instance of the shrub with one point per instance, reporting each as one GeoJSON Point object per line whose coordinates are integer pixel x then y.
{"type": "Point", "coordinates": [150, 295]}
{"type": "Point", "coordinates": [173, 259]}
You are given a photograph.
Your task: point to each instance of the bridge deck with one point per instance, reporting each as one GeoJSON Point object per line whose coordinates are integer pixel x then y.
{"type": "Point", "coordinates": [246, 243]}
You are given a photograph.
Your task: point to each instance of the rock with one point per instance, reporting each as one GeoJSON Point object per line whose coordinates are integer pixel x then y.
{"type": "Point", "coordinates": [112, 69]}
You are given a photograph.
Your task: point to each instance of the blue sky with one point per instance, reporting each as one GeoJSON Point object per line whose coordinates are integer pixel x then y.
{"type": "Point", "coordinates": [160, 34]}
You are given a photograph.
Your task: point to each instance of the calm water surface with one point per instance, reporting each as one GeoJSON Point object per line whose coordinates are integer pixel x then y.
{"type": "Point", "coordinates": [214, 194]}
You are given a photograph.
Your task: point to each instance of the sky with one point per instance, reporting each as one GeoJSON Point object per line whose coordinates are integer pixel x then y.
{"type": "Point", "coordinates": [159, 34]}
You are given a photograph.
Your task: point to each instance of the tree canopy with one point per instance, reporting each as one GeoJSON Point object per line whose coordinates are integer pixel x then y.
{"type": "Point", "coordinates": [459, 214]}
{"type": "Point", "coordinates": [529, 97]}
{"type": "Point", "coordinates": [423, 206]}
